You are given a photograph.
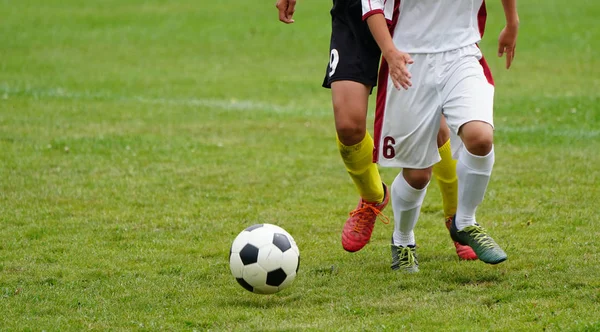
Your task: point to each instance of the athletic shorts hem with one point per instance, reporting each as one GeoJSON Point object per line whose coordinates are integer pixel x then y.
{"type": "Point", "coordinates": [395, 164]}
{"type": "Point", "coordinates": [360, 80]}
{"type": "Point", "coordinates": [462, 123]}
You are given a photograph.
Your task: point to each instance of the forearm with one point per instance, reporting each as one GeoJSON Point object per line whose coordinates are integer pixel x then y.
{"type": "Point", "coordinates": [379, 29]}
{"type": "Point", "coordinates": [510, 12]}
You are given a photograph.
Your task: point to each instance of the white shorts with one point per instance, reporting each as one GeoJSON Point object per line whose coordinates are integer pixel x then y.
{"type": "Point", "coordinates": [456, 84]}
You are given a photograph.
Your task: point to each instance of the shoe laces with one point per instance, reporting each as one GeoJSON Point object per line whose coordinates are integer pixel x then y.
{"type": "Point", "coordinates": [480, 235]}
{"type": "Point", "coordinates": [406, 257]}
{"type": "Point", "coordinates": [364, 211]}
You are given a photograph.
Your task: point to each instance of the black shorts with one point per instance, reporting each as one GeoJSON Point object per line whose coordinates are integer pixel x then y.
{"type": "Point", "coordinates": [353, 53]}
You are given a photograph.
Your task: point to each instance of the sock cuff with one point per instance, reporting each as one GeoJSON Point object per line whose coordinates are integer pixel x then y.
{"type": "Point", "coordinates": [356, 147]}
{"type": "Point", "coordinates": [477, 163]}
{"type": "Point", "coordinates": [358, 157]}
{"type": "Point", "coordinates": [445, 148]}
{"type": "Point", "coordinates": [403, 239]}
{"type": "Point", "coordinates": [406, 192]}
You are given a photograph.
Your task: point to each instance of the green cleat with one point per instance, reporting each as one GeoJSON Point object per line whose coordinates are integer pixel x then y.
{"type": "Point", "coordinates": [404, 259]}
{"type": "Point", "coordinates": [477, 238]}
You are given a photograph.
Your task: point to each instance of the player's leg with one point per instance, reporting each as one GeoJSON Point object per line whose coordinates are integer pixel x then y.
{"type": "Point", "coordinates": [445, 174]}
{"type": "Point", "coordinates": [474, 168]}
{"type": "Point", "coordinates": [408, 192]}
{"type": "Point", "coordinates": [407, 127]}
{"type": "Point", "coordinates": [354, 142]}
{"type": "Point", "coordinates": [351, 74]}
{"type": "Point", "coordinates": [468, 106]}
{"type": "Point", "coordinates": [475, 163]}
{"type": "Point", "coordinates": [356, 149]}
{"type": "Point", "coordinates": [445, 171]}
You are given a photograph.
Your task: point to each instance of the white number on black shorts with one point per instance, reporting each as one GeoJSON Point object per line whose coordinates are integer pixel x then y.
{"type": "Point", "coordinates": [334, 59]}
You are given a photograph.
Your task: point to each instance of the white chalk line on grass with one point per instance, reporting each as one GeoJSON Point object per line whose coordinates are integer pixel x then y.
{"type": "Point", "coordinates": [250, 105]}
{"type": "Point", "coordinates": [224, 104]}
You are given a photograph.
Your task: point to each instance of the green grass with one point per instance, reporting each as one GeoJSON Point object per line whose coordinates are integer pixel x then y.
{"type": "Point", "coordinates": [137, 138]}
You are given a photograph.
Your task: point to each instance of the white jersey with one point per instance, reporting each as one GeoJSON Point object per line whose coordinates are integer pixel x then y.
{"type": "Point", "coordinates": [429, 26]}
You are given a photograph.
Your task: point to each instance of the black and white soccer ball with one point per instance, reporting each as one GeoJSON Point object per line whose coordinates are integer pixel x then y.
{"type": "Point", "coordinates": [264, 259]}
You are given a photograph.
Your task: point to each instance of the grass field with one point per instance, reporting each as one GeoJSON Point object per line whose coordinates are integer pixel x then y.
{"type": "Point", "coordinates": [139, 137]}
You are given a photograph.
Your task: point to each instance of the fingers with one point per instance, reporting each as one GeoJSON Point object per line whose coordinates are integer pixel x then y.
{"type": "Point", "coordinates": [509, 51]}
{"type": "Point", "coordinates": [291, 8]}
{"type": "Point", "coordinates": [407, 75]}
{"type": "Point", "coordinates": [395, 82]}
{"type": "Point", "coordinates": [401, 78]}
{"type": "Point", "coordinates": [406, 83]}
{"type": "Point", "coordinates": [398, 70]}
{"type": "Point", "coordinates": [401, 83]}
{"type": "Point", "coordinates": [510, 56]}
{"type": "Point", "coordinates": [513, 53]}
{"type": "Point", "coordinates": [283, 7]}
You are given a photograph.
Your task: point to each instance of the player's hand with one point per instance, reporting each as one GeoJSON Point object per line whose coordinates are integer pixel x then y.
{"type": "Point", "coordinates": [286, 10]}
{"type": "Point", "coordinates": [397, 61]}
{"type": "Point", "coordinates": [507, 43]}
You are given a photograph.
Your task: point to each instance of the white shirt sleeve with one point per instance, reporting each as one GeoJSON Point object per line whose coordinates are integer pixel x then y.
{"type": "Point", "coordinates": [371, 7]}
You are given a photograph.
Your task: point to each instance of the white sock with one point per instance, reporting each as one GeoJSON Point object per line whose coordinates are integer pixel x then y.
{"type": "Point", "coordinates": [406, 203]}
{"type": "Point", "coordinates": [473, 177]}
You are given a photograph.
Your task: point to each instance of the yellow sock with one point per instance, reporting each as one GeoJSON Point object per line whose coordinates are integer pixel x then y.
{"type": "Point", "coordinates": [358, 159]}
{"type": "Point", "coordinates": [445, 173]}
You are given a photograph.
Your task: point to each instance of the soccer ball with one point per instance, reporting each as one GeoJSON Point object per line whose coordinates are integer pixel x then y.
{"type": "Point", "coordinates": [264, 259]}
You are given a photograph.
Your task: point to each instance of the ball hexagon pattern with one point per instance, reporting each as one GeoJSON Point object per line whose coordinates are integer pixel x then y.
{"type": "Point", "coordinates": [264, 259]}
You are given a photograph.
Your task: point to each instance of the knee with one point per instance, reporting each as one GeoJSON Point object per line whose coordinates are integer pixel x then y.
{"type": "Point", "coordinates": [417, 178]}
{"type": "Point", "coordinates": [350, 133]}
{"type": "Point", "coordinates": [350, 110]}
{"type": "Point", "coordinates": [349, 125]}
{"type": "Point", "coordinates": [479, 146]}
{"type": "Point", "coordinates": [478, 138]}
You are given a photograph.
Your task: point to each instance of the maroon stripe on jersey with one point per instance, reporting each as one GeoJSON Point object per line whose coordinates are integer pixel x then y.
{"type": "Point", "coordinates": [382, 89]}
{"type": "Point", "coordinates": [481, 17]}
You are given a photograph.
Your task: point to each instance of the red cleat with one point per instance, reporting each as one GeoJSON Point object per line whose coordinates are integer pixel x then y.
{"type": "Point", "coordinates": [359, 227]}
{"type": "Point", "coordinates": [464, 252]}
